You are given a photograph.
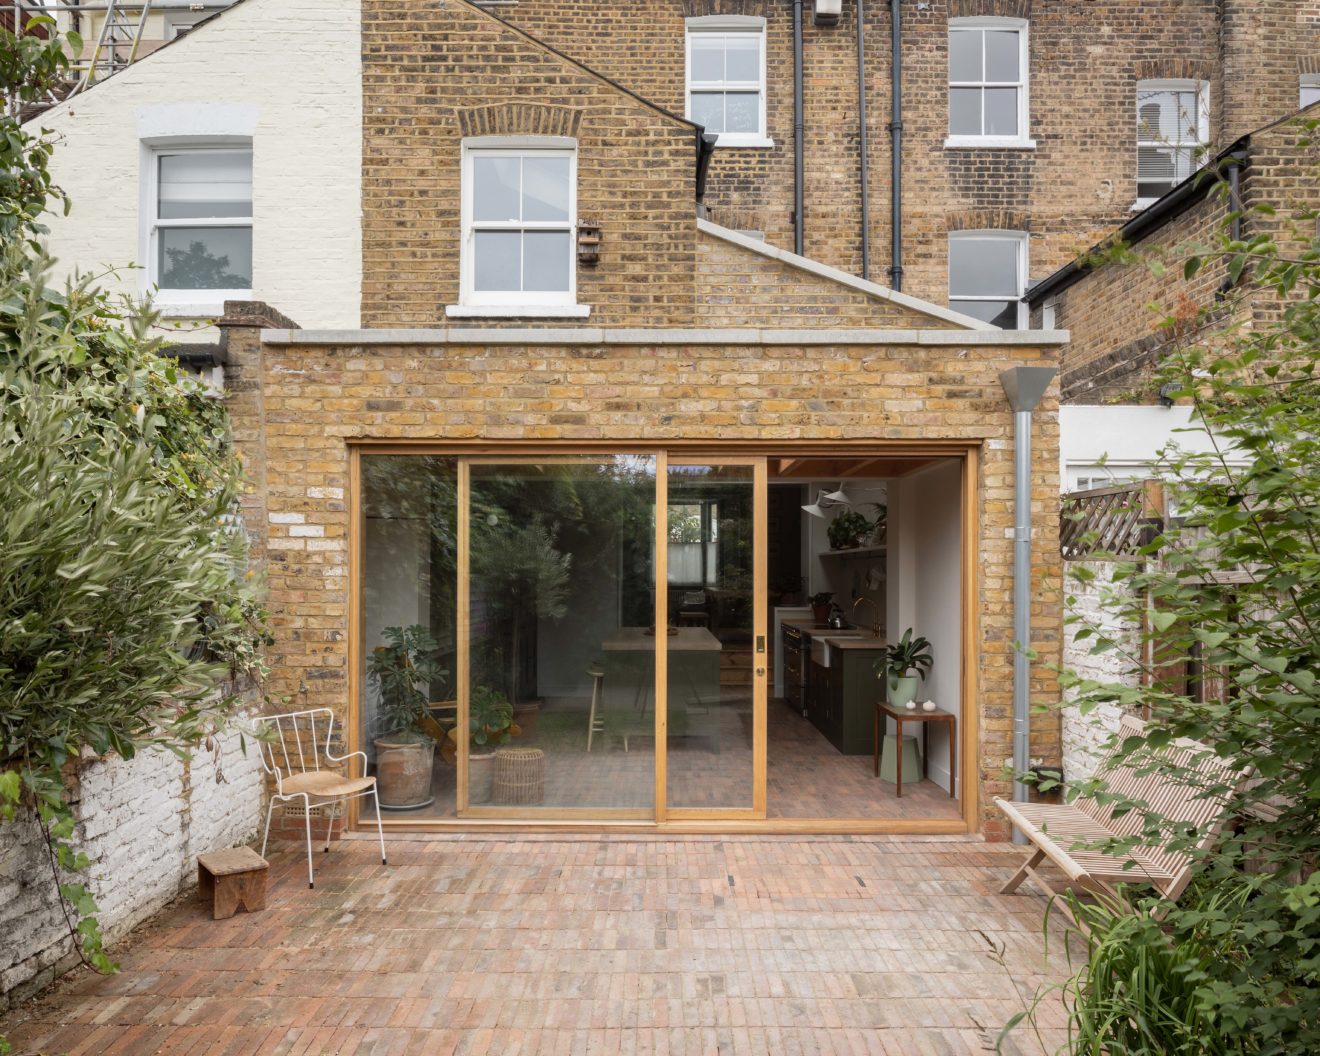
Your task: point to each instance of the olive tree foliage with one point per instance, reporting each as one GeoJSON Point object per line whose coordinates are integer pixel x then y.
{"type": "Point", "coordinates": [1228, 596]}
{"type": "Point", "coordinates": [128, 619]}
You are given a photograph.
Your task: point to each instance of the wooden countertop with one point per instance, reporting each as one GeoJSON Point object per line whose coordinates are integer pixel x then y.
{"type": "Point", "coordinates": [811, 629]}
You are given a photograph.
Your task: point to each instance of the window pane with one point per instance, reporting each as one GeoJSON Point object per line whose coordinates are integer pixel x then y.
{"type": "Point", "coordinates": [545, 261]}
{"type": "Point", "coordinates": [495, 188]}
{"type": "Point", "coordinates": [707, 57]}
{"type": "Point", "coordinates": [205, 258]}
{"type": "Point", "coordinates": [545, 188]}
{"type": "Point", "coordinates": [742, 112]}
{"type": "Point", "coordinates": [965, 55]}
{"type": "Point", "coordinates": [1001, 55]}
{"type": "Point", "coordinates": [743, 57]}
{"type": "Point", "coordinates": [708, 110]}
{"type": "Point", "coordinates": [205, 183]}
{"type": "Point", "coordinates": [1310, 94]}
{"type": "Point", "coordinates": [983, 267]}
{"type": "Point", "coordinates": [1167, 117]}
{"type": "Point", "coordinates": [1003, 314]}
{"type": "Point", "coordinates": [965, 111]}
{"type": "Point", "coordinates": [496, 265]}
{"type": "Point", "coordinates": [1001, 111]}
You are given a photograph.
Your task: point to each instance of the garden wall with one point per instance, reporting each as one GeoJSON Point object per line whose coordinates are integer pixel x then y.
{"type": "Point", "coordinates": [142, 822]}
{"type": "Point", "coordinates": [1084, 736]}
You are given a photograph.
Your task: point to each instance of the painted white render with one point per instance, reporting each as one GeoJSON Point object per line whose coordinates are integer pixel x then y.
{"type": "Point", "coordinates": [286, 74]}
{"type": "Point", "coordinates": [1120, 442]}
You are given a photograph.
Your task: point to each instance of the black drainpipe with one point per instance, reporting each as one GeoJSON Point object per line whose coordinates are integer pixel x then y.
{"type": "Point", "coordinates": [896, 144]}
{"type": "Point", "coordinates": [798, 128]}
{"type": "Point", "coordinates": [863, 147]}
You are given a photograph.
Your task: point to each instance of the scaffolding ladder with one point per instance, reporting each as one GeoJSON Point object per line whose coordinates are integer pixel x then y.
{"type": "Point", "coordinates": [117, 39]}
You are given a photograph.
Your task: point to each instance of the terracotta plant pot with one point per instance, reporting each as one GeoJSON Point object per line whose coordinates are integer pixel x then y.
{"type": "Point", "coordinates": [524, 716]}
{"type": "Point", "coordinates": [481, 777]}
{"type": "Point", "coordinates": [403, 773]}
{"type": "Point", "coordinates": [820, 613]}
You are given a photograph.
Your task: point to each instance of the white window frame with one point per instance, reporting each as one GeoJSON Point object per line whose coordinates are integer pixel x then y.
{"type": "Point", "coordinates": [1023, 140]}
{"type": "Point", "coordinates": [1021, 240]}
{"type": "Point", "coordinates": [1202, 89]}
{"type": "Point", "coordinates": [728, 25]}
{"type": "Point", "coordinates": [1308, 82]}
{"type": "Point", "coordinates": [176, 303]}
{"type": "Point", "coordinates": [516, 303]}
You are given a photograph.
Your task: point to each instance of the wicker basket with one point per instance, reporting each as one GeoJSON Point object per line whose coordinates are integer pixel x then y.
{"type": "Point", "coordinates": [519, 776]}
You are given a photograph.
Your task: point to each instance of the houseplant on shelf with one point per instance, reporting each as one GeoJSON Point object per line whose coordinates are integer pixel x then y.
{"type": "Point", "coordinates": [897, 667]}
{"type": "Point", "coordinates": [848, 530]}
{"type": "Point", "coordinates": [403, 670]}
{"type": "Point", "coordinates": [490, 724]}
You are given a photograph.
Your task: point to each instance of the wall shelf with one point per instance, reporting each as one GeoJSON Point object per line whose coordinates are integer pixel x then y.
{"type": "Point", "coordinates": [855, 552]}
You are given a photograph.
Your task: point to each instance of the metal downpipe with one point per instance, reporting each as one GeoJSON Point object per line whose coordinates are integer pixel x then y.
{"type": "Point", "coordinates": [863, 141]}
{"type": "Point", "coordinates": [895, 144]}
{"type": "Point", "coordinates": [799, 128]}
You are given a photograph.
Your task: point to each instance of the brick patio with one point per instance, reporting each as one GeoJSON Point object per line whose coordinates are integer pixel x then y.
{"type": "Point", "coordinates": [594, 945]}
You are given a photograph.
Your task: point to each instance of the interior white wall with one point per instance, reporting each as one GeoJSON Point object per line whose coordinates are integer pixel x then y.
{"type": "Point", "coordinates": [846, 577]}
{"type": "Point", "coordinates": [924, 589]}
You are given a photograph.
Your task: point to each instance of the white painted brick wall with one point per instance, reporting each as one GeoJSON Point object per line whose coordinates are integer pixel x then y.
{"type": "Point", "coordinates": [142, 822]}
{"type": "Point", "coordinates": [1084, 736]}
{"type": "Point", "coordinates": [298, 64]}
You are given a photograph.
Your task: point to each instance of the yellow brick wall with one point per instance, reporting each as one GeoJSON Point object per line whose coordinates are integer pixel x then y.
{"type": "Point", "coordinates": [314, 399]}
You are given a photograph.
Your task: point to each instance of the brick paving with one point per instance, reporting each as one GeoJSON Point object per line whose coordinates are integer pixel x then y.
{"type": "Point", "coordinates": [828, 946]}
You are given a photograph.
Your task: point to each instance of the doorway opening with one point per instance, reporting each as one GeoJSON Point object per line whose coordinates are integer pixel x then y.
{"type": "Point", "coordinates": [629, 639]}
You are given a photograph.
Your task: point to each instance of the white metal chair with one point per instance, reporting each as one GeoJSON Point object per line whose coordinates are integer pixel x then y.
{"type": "Point", "coordinates": [295, 755]}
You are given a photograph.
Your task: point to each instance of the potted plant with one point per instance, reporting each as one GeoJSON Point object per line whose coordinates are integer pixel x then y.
{"type": "Point", "coordinates": [403, 670]}
{"type": "Point", "coordinates": [897, 666]}
{"type": "Point", "coordinates": [490, 724]}
{"type": "Point", "coordinates": [820, 605]}
{"type": "Point", "coordinates": [848, 530]}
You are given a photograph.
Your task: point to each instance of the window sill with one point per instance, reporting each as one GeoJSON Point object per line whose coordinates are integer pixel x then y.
{"type": "Point", "coordinates": [988, 143]}
{"type": "Point", "coordinates": [514, 311]}
{"type": "Point", "coordinates": [1142, 204]}
{"type": "Point", "coordinates": [197, 309]}
{"type": "Point", "coordinates": [753, 142]}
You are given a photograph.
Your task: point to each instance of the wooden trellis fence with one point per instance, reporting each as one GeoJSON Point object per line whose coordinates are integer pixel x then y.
{"type": "Point", "coordinates": [1110, 522]}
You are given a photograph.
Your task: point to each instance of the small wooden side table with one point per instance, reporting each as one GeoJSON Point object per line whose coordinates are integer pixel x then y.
{"type": "Point", "coordinates": [883, 709]}
{"type": "Point", "coordinates": [232, 878]}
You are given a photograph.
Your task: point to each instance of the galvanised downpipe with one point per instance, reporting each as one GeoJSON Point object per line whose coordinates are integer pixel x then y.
{"type": "Point", "coordinates": [1024, 386]}
{"type": "Point", "coordinates": [863, 143]}
{"type": "Point", "coordinates": [799, 127]}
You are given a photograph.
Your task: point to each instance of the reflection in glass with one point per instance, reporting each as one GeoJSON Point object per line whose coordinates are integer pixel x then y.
{"type": "Point", "coordinates": [409, 583]}
{"type": "Point", "coordinates": [561, 606]}
{"type": "Point", "coordinates": [710, 685]}
{"type": "Point", "coordinates": [204, 258]}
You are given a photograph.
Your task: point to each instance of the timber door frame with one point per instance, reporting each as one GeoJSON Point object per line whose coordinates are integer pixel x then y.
{"type": "Point", "coordinates": [718, 453]}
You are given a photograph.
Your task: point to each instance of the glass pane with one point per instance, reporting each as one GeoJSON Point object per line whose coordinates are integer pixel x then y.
{"type": "Point", "coordinates": [707, 57]}
{"type": "Point", "coordinates": [205, 258]}
{"type": "Point", "coordinates": [495, 188]}
{"type": "Point", "coordinates": [742, 112]}
{"type": "Point", "coordinates": [1002, 50]}
{"type": "Point", "coordinates": [1310, 93]}
{"type": "Point", "coordinates": [1003, 314]}
{"type": "Point", "coordinates": [743, 58]}
{"type": "Point", "coordinates": [496, 261]}
{"type": "Point", "coordinates": [965, 111]}
{"type": "Point", "coordinates": [409, 591]}
{"type": "Point", "coordinates": [545, 187]}
{"type": "Point", "coordinates": [1001, 111]}
{"type": "Point", "coordinates": [983, 267]}
{"type": "Point", "coordinates": [708, 109]}
{"type": "Point", "coordinates": [561, 613]}
{"type": "Point", "coordinates": [546, 261]}
{"type": "Point", "coordinates": [965, 55]}
{"type": "Point", "coordinates": [710, 639]}
{"type": "Point", "coordinates": [205, 183]}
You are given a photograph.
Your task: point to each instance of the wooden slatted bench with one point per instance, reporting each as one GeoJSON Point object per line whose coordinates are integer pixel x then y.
{"type": "Point", "coordinates": [1069, 834]}
{"type": "Point", "coordinates": [232, 878]}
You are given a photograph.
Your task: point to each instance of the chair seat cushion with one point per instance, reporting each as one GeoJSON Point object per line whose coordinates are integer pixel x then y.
{"type": "Point", "coordinates": [325, 783]}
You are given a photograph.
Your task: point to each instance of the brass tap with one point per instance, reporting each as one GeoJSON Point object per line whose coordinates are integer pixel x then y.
{"type": "Point", "coordinates": [875, 627]}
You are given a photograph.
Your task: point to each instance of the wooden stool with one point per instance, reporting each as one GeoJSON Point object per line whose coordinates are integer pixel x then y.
{"type": "Point", "coordinates": [595, 720]}
{"type": "Point", "coordinates": [232, 878]}
{"type": "Point", "coordinates": [519, 775]}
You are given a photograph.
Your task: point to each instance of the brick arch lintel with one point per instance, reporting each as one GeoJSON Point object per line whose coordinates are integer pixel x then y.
{"type": "Point", "coordinates": [990, 9]}
{"type": "Point", "coordinates": [987, 220]}
{"type": "Point", "coordinates": [701, 8]}
{"type": "Point", "coordinates": [1308, 63]}
{"type": "Point", "coordinates": [1171, 68]}
{"type": "Point", "coordinates": [519, 119]}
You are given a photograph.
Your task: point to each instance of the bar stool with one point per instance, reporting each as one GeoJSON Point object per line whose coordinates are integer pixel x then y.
{"type": "Point", "coordinates": [596, 720]}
